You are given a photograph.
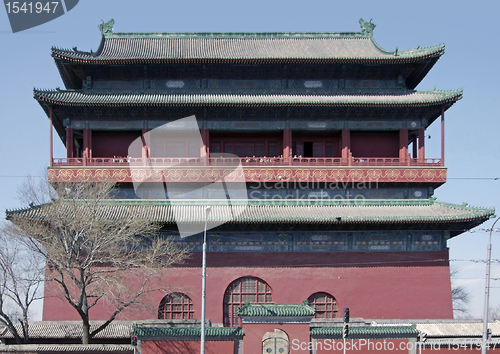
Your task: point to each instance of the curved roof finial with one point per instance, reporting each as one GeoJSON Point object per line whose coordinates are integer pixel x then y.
{"type": "Point", "coordinates": [106, 28]}
{"type": "Point", "coordinates": [367, 27]}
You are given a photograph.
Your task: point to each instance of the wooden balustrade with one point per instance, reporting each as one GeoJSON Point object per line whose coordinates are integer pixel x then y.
{"type": "Point", "coordinates": [245, 161]}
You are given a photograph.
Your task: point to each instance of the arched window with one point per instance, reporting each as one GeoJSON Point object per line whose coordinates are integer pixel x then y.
{"type": "Point", "coordinates": [176, 306]}
{"type": "Point", "coordinates": [249, 289]}
{"type": "Point", "coordinates": [325, 305]}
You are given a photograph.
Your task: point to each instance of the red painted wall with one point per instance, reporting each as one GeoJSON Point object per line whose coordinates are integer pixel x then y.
{"type": "Point", "coordinates": [397, 289]}
{"type": "Point", "coordinates": [374, 144]}
{"type": "Point", "coordinates": [186, 347]}
{"type": "Point", "coordinates": [228, 141]}
{"type": "Point", "coordinates": [112, 144]}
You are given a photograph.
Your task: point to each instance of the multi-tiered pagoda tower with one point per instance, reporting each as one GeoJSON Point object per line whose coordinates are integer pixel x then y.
{"type": "Point", "coordinates": [330, 132]}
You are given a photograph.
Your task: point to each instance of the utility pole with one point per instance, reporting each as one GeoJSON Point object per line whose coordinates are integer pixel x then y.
{"type": "Point", "coordinates": [204, 282]}
{"type": "Point", "coordinates": [484, 345]}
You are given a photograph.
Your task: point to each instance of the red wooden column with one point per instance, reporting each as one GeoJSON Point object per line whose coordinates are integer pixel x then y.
{"type": "Point", "coordinates": [346, 144]}
{"type": "Point", "coordinates": [51, 144]}
{"type": "Point", "coordinates": [403, 145]}
{"type": "Point", "coordinates": [287, 145]}
{"type": "Point", "coordinates": [205, 148]}
{"type": "Point", "coordinates": [145, 149]}
{"type": "Point", "coordinates": [70, 144]}
{"type": "Point", "coordinates": [421, 145]}
{"type": "Point", "coordinates": [442, 135]}
{"type": "Point", "coordinates": [87, 145]}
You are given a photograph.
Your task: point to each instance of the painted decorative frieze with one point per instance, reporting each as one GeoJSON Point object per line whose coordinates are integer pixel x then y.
{"type": "Point", "coordinates": [313, 241]}
{"type": "Point", "coordinates": [271, 174]}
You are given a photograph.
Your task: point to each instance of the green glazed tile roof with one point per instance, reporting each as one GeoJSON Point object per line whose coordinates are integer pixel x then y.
{"type": "Point", "coordinates": [400, 99]}
{"type": "Point", "coordinates": [254, 47]}
{"type": "Point", "coordinates": [363, 331]}
{"type": "Point", "coordinates": [295, 211]}
{"type": "Point", "coordinates": [272, 310]}
{"type": "Point", "coordinates": [155, 331]}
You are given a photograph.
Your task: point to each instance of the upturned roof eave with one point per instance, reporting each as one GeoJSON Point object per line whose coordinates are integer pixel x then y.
{"type": "Point", "coordinates": [469, 215]}
{"type": "Point", "coordinates": [95, 60]}
{"type": "Point", "coordinates": [81, 98]}
{"type": "Point", "coordinates": [476, 220]}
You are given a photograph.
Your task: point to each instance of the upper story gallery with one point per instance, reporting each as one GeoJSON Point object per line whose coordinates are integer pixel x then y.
{"type": "Point", "coordinates": [300, 106]}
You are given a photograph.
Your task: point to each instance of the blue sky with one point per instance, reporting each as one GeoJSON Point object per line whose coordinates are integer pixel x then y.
{"type": "Point", "coordinates": [468, 29]}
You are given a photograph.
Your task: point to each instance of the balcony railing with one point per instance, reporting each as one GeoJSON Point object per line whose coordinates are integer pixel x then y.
{"type": "Point", "coordinates": [245, 161]}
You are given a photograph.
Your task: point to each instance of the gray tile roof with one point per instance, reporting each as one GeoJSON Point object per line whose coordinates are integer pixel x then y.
{"type": "Point", "coordinates": [72, 329]}
{"type": "Point", "coordinates": [407, 98]}
{"type": "Point", "coordinates": [455, 329]}
{"type": "Point", "coordinates": [224, 47]}
{"type": "Point", "coordinates": [68, 348]}
{"type": "Point", "coordinates": [296, 211]}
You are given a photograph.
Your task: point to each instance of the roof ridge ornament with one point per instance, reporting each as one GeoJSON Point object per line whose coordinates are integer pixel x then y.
{"type": "Point", "coordinates": [367, 27]}
{"type": "Point", "coordinates": [106, 28]}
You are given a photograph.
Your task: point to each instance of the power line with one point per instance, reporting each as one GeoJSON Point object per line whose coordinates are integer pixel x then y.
{"type": "Point", "coordinates": [474, 260]}
{"type": "Point", "coordinates": [476, 178]}
{"type": "Point", "coordinates": [12, 176]}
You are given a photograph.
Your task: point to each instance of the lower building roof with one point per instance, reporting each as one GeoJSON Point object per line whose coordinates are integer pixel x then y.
{"type": "Point", "coordinates": [71, 329]}
{"type": "Point", "coordinates": [68, 348]}
{"type": "Point", "coordinates": [453, 329]}
{"type": "Point", "coordinates": [435, 328]}
{"type": "Point", "coordinates": [303, 211]}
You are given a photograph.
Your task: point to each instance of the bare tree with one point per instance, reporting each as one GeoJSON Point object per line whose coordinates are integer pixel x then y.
{"type": "Point", "coordinates": [494, 314]}
{"type": "Point", "coordinates": [35, 190]}
{"type": "Point", "coordinates": [92, 255]}
{"type": "Point", "coordinates": [21, 279]}
{"type": "Point", "coordinates": [460, 297]}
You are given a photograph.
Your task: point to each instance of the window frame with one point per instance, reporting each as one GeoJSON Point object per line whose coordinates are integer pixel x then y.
{"type": "Point", "coordinates": [186, 310]}
{"type": "Point", "coordinates": [239, 288]}
{"type": "Point", "coordinates": [327, 312]}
